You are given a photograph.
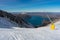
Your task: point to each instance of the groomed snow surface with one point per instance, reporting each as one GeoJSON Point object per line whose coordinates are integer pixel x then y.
{"type": "Point", "coordinates": [42, 33]}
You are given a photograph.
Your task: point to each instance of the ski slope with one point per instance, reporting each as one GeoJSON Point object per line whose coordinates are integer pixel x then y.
{"type": "Point", "coordinates": [42, 33]}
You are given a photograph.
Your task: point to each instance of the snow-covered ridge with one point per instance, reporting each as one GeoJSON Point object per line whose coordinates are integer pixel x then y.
{"type": "Point", "coordinates": [43, 33]}
{"type": "Point", "coordinates": [7, 23]}
{"type": "Point", "coordinates": [19, 20]}
{"type": "Point", "coordinates": [8, 31]}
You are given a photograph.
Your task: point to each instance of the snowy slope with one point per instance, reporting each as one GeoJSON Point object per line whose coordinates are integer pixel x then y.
{"type": "Point", "coordinates": [42, 33]}
{"type": "Point", "coordinates": [6, 23]}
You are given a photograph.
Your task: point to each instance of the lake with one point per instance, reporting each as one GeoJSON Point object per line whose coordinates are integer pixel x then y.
{"type": "Point", "coordinates": [37, 20]}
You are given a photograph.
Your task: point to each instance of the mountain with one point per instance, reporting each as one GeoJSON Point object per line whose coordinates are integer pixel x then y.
{"type": "Point", "coordinates": [35, 17]}
{"type": "Point", "coordinates": [19, 20]}
{"type": "Point", "coordinates": [30, 19]}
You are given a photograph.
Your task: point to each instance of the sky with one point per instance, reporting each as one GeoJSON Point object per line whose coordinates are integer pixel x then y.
{"type": "Point", "coordinates": [30, 5]}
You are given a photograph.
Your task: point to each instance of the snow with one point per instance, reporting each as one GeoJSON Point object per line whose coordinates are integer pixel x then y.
{"type": "Point", "coordinates": [6, 23]}
{"type": "Point", "coordinates": [42, 33]}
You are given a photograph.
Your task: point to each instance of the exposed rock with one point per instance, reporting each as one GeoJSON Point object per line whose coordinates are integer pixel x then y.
{"type": "Point", "coordinates": [16, 19]}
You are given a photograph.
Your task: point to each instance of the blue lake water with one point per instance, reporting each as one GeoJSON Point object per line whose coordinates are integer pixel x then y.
{"type": "Point", "coordinates": [36, 20]}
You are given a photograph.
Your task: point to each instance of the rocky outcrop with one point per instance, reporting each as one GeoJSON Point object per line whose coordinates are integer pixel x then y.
{"type": "Point", "coordinates": [16, 19]}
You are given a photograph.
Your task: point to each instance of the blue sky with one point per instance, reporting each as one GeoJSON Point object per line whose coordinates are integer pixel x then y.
{"type": "Point", "coordinates": [30, 5]}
